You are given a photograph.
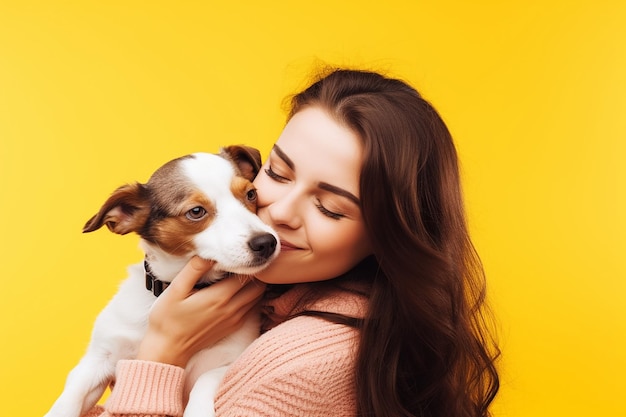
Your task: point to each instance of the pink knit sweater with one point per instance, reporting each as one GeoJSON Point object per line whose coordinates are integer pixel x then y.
{"type": "Point", "coordinates": [303, 366]}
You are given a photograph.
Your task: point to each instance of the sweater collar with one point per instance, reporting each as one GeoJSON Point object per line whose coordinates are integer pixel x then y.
{"type": "Point", "coordinates": [349, 301]}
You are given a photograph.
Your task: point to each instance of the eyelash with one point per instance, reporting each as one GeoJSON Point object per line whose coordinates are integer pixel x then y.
{"type": "Point", "coordinates": [331, 214]}
{"type": "Point", "coordinates": [328, 213]}
{"type": "Point", "coordinates": [270, 173]}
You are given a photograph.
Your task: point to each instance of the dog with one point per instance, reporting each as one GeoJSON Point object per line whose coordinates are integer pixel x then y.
{"type": "Point", "coordinates": [200, 204]}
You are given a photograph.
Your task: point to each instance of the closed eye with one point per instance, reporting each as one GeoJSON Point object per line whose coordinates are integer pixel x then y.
{"type": "Point", "coordinates": [273, 175]}
{"type": "Point", "coordinates": [328, 213]}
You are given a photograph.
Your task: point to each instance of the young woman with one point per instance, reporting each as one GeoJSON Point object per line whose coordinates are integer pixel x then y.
{"type": "Point", "coordinates": [375, 306]}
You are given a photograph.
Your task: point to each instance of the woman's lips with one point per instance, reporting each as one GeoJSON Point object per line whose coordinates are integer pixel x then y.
{"type": "Point", "coordinates": [284, 245]}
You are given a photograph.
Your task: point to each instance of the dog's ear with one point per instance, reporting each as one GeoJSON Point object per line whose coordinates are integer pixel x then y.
{"type": "Point", "coordinates": [125, 211]}
{"type": "Point", "coordinates": [247, 159]}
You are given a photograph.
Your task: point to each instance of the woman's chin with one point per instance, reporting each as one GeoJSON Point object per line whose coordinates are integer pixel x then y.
{"type": "Point", "coordinates": [268, 275]}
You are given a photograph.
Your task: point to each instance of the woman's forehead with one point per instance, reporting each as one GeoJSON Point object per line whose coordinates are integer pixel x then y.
{"type": "Point", "coordinates": [315, 142]}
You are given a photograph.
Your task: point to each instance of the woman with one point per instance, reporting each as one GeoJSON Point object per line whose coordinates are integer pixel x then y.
{"type": "Point", "coordinates": [375, 306]}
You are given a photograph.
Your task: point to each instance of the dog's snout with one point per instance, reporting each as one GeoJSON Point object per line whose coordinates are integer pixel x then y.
{"type": "Point", "coordinates": [263, 245]}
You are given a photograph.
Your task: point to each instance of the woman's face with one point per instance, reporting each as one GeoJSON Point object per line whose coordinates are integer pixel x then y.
{"type": "Point", "coordinates": [308, 191]}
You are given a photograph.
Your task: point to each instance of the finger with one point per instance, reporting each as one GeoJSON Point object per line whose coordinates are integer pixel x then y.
{"type": "Point", "coordinates": [245, 313]}
{"type": "Point", "coordinates": [231, 291]}
{"type": "Point", "coordinates": [243, 308]}
{"type": "Point", "coordinates": [190, 274]}
{"type": "Point", "coordinates": [249, 293]}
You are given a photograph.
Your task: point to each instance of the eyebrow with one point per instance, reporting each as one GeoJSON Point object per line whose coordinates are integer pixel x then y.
{"type": "Point", "coordinates": [322, 185]}
{"type": "Point", "coordinates": [339, 191]}
{"type": "Point", "coordinates": [282, 155]}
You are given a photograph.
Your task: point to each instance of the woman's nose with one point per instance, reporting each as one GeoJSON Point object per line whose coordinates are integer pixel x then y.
{"type": "Point", "coordinates": [285, 210]}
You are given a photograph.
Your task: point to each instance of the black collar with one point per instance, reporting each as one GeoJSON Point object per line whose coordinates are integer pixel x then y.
{"type": "Point", "coordinates": [156, 286]}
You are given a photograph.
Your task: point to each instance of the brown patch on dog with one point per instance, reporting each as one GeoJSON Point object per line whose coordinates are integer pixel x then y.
{"type": "Point", "coordinates": [244, 191]}
{"type": "Point", "coordinates": [247, 160]}
{"type": "Point", "coordinates": [125, 211]}
{"type": "Point", "coordinates": [169, 187]}
{"type": "Point", "coordinates": [175, 232]}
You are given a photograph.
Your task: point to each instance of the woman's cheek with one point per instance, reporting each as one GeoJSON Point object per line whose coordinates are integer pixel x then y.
{"type": "Point", "coordinates": [264, 189]}
{"type": "Point", "coordinates": [326, 235]}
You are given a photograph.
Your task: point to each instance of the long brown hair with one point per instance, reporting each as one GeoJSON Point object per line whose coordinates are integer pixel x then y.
{"type": "Point", "coordinates": [425, 346]}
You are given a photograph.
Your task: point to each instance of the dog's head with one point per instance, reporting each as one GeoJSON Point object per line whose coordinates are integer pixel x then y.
{"type": "Point", "coordinates": [200, 204]}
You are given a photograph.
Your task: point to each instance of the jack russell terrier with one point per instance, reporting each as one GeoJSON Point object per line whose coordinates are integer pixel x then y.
{"type": "Point", "coordinates": [200, 204]}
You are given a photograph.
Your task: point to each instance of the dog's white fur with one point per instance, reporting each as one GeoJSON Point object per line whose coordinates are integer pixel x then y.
{"type": "Point", "coordinates": [120, 327]}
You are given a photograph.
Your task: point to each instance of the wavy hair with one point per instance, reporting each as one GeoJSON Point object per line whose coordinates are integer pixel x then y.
{"type": "Point", "coordinates": [425, 345]}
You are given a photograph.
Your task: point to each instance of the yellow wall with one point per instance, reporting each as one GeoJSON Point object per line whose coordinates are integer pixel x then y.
{"type": "Point", "coordinates": [96, 94]}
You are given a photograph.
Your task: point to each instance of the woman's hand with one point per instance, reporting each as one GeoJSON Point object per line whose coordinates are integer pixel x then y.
{"type": "Point", "coordinates": [183, 320]}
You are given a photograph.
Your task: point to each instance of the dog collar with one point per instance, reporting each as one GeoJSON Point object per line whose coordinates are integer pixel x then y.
{"type": "Point", "coordinates": [156, 286]}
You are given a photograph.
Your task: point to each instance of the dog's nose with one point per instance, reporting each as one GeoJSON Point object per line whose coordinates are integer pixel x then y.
{"type": "Point", "coordinates": [263, 245]}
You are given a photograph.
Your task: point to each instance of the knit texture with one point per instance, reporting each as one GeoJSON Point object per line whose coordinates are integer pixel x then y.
{"type": "Point", "coordinates": [303, 366]}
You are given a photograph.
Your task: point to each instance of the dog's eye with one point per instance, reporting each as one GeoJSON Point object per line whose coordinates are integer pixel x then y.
{"type": "Point", "coordinates": [196, 213]}
{"type": "Point", "coordinates": [251, 195]}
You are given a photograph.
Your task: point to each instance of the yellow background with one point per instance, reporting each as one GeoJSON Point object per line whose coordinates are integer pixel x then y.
{"type": "Point", "coordinates": [94, 94]}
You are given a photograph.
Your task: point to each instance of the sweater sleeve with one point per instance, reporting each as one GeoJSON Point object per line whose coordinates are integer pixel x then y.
{"type": "Point", "coordinates": [144, 389]}
{"type": "Point", "coordinates": [304, 366]}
